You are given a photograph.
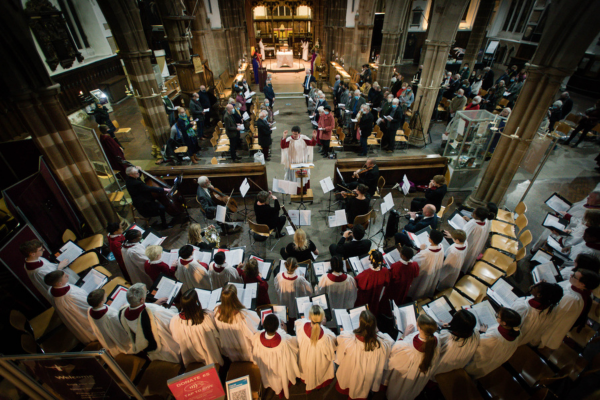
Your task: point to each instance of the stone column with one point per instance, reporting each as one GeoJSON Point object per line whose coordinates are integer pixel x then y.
{"type": "Point", "coordinates": [444, 20]}
{"type": "Point", "coordinates": [478, 33]}
{"type": "Point", "coordinates": [394, 33]}
{"type": "Point", "coordinates": [556, 57]}
{"type": "Point", "coordinates": [123, 17]}
{"type": "Point", "coordinates": [196, 9]}
{"type": "Point", "coordinates": [174, 24]}
{"type": "Point", "coordinates": [358, 39]}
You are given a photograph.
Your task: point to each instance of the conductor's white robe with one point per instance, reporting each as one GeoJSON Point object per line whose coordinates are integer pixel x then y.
{"type": "Point", "coordinates": [277, 360]}
{"type": "Point", "coordinates": [37, 271]}
{"type": "Point", "coordinates": [192, 275]}
{"type": "Point", "coordinates": [455, 353]}
{"type": "Point", "coordinates": [477, 234]}
{"type": "Point", "coordinates": [430, 263]}
{"type": "Point", "coordinates": [72, 307]}
{"type": "Point", "coordinates": [454, 258]}
{"type": "Point", "coordinates": [315, 362]}
{"type": "Point", "coordinates": [297, 151]}
{"type": "Point", "coordinates": [236, 338]}
{"type": "Point", "coordinates": [220, 275]}
{"type": "Point", "coordinates": [562, 317]}
{"type": "Point", "coordinates": [493, 351]}
{"type": "Point", "coordinates": [134, 258]}
{"type": "Point", "coordinates": [197, 343]}
{"type": "Point", "coordinates": [361, 371]}
{"type": "Point", "coordinates": [341, 290]}
{"type": "Point", "coordinates": [289, 287]}
{"type": "Point", "coordinates": [533, 321]}
{"type": "Point", "coordinates": [110, 333]}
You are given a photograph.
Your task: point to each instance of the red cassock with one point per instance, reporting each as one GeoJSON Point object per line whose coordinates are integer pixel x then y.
{"type": "Point", "coordinates": [402, 276]}
{"type": "Point", "coordinates": [370, 284]}
{"type": "Point", "coordinates": [116, 243]}
{"type": "Point", "coordinates": [262, 294]}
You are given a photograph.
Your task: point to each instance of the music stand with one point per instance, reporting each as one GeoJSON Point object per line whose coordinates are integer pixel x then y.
{"type": "Point", "coordinates": [300, 173]}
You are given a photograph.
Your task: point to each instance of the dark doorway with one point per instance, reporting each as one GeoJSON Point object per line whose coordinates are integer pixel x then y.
{"type": "Point", "coordinates": [377, 38]}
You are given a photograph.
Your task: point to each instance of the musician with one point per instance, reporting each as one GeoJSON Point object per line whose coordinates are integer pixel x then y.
{"type": "Point", "coordinates": [417, 223]}
{"type": "Point", "coordinates": [358, 204]}
{"type": "Point", "coordinates": [352, 243]}
{"type": "Point", "coordinates": [368, 175]}
{"type": "Point", "coordinates": [142, 199]}
{"type": "Point", "coordinates": [267, 215]}
{"type": "Point", "coordinates": [204, 197]}
{"type": "Point", "coordinates": [434, 194]}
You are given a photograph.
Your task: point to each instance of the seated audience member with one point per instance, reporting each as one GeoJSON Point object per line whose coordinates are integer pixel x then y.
{"type": "Point", "coordinates": [352, 243]}
{"type": "Point", "coordinates": [372, 282]}
{"type": "Point", "coordinates": [115, 242]}
{"type": "Point", "coordinates": [458, 342]}
{"type": "Point", "coordinates": [192, 273]}
{"type": "Point", "coordinates": [154, 266]}
{"type": "Point", "coordinates": [417, 223]}
{"type": "Point", "coordinates": [105, 324]}
{"type": "Point", "coordinates": [454, 257]}
{"type": "Point", "coordinates": [112, 150]}
{"type": "Point", "coordinates": [196, 237]}
{"type": "Point", "coordinates": [134, 257]}
{"type": "Point", "coordinates": [434, 194]}
{"type": "Point", "coordinates": [536, 311]}
{"type": "Point", "coordinates": [251, 274]}
{"type": "Point", "coordinates": [289, 284]}
{"type": "Point", "coordinates": [267, 215]}
{"type": "Point", "coordinates": [301, 248]}
{"type": "Point", "coordinates": [430, 259]}
{"type": "Point", "coordinates": [339, 286]}
{"type": "Point", "coordinates": [220, 272]}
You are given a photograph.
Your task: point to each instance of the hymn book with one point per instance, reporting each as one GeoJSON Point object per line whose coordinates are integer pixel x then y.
{"type": "Point", "coordinates": [280, 311]}
{"type": "Point", "coordinates": [546, 272]}
{"type": "Point", "coordinates": [321, 268]}
{"type": "Point", "coordinates": [209, 299]}
{"type": "Point", "coordinates": [152, 239]}
{"type": "Point", "coordinates": [391, 256]}
{"type": "Point", "coordinates": [117, 298]}
{"type": "Point", "coordinates": [246, 293]}
{"type": "Point", "coordinates": [404, 315]}
{"type": "Point", "coordinates": [169, 257]}
{"type": "Point", "coordinates": [440, 310]}
{"type": "Point", "coordinates": [502, 293]}
{"type": "Point", "coordinates": [348, 320]}
{"type": "Point", "coordinates": [305, 303]}
{"type": "Point", "coordinates": [485, 314]}
{"type": "Point", "coordinates": [203, 256]}
{"type": "Point", "coordinates": [558, 203]}
{"type": "Point", "coordinates": [358, 265]}
{"type": "Point", "coordinates": [421, 237]}
{"type": "Point", "coordinates": [233, 256]}
{"type": "Point", "coordinates": [92, 281]}
{"type": "Point", "coordinates": [69, 251]}
{"type": "Point", "coordinates": [264, 266]}
{"type": "Point", "coordinates": [555, 223]}
{"type": "Point", "coordinates": [456, 220]}
{"type": "Point", "coordinates": [165, 286]}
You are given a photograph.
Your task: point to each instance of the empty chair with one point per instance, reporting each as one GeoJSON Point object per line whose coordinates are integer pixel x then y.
{"type": "Point", "coordinates": [470, 287]}
{"type": "Point", "coordinates": [457, 385]}
{"type": "Point", "coordinates": [501, 260]}
{"type": "Point", "coordinates": [511, 245]}
{"type": "Point", "coordinates": [486, 272]}
{"type": "Point", "coordinates": [89, 243]}
{"type": "Point", "coordinates": [84, 262]}
{"type": "Point", "coordinates": [456, 299]}
{"type": "Point", "coordinates": [508, 216]}
{"type": "Point", "coordinates": [532, 369]}
{"type": "Point", "coordinates": [506, 229]}
{"type": "Point", "coordinates": [154, 378]}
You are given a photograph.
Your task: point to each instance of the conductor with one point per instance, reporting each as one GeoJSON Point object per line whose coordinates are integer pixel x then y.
{"type": "Point", "coordinates": [142, 199]}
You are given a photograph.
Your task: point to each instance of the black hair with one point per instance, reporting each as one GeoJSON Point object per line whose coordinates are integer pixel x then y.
{"type": "Point", "coordinates": [112, 227]}
{"type": "Point", "coordinates": [407, 252]}
{"type": "Point", "coordinates": [337, 264]}
{"type": "Point", "coordinates": [358, 231]}
{"type": "Point", "coordinates": [593, 232]}
{"type": "Point", "coordinates": [186, 251]}
{"type": "Point", "coordinates": [492, 210]}
{"type": "Point", "coordinates": [219, 258]}
{"type": "Point", "coordinates": [588, 261]}
{"type": "Point", "coordinates": [481, 213]}
{"type": "Point", "coordinates": [510, 317]}
{"type": "Point", "coordinates": [590, 279]}
{"type": "Point", "coordinates": [436, 236]}
{"type": "Point", "coordinates": [53, 277]}
{"type": "Point", "coordinates": [550, 294]}
{"type": "Point", "coordinates": [132, 234]}
{"type": "Point", "coordinates": [462, 325]}
{"type": "Point", "coordinates": [296, 128]}
{"type": "Point", "coordinates": [271, 323]}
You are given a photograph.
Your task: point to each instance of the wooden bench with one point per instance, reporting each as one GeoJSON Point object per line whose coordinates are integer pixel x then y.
{"type": "Point", "coordinates": [172, 86]}
{"type": "Point", "coordinates": [226, 78]}
{"type": "Point", "coordinates": [418, 169]}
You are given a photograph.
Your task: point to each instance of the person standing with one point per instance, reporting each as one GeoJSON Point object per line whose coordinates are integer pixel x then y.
{"type": "Point", "coordinates": [339, 286]}
{"type": "Point", "coordinates": [372, 282]}
{"type": "Point", "coordinates": [193, 274]}
{"type": "Point", "coordinates": [430, 260]}
{"type": "Point", "coordinates": [134, 257]}
{"type": "Point", "coordinates": [232, 129]}
{"type": "Point", "coordinates": [394, 121]}
{"type": "Point", "coordinates": [102, 118]}
{"type": "Point", "coordinates": [104, 321]}
{"type": "Point", "coordinates": [115, 242]}
{"type": "Point", "coordinates": [366, 128]}
{"type": "Point", "coordinates": [289, 285]}
{"type": "Point", "coordinates": [112, 149]}
{"type": "Point", "coordinates": [587, 122]}
{"type": "Point", "coordinates": [297, 149]}
{"type": "Point", "coordinates": [183, 130]}
{"type": "Point", "coordinates": [325, 126]}
{"type": "Point", "coordinates": [264, 134]}
{"type": "Point", "coordinates": [567, 104]}
{"type": "Point", "coordinates": [269, 93]}
{"type": "Point", "coordinates": [197, 112]}
{"type": "Point", "coordinates": [204, 99]}
{"type": "Point", "coordinates": [458, 342]}
{"type": "Point", "coordinates": [488, 78]}
{"type": "Point", "coordinates": [306, 85]}
{"type": "Point", "coordinates": [255, 67]}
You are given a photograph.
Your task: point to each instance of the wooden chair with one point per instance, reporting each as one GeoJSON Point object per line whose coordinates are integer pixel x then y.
{"type": "Point", "coordinates": [45, 331]}
{"type": "Point", "coordinates": [457, 385]}
{"type": "Point", "coordinates": [443, 209]}
{"type": "Point", "coordinates": [154, 378]}
{"type": "Point", "coordinates": [252, 146]}
{"type": "Point", "coordinates": [39, 325]}
{"type": "Point", "coordinates": [511, 246]}
{"type": "Point", "coordinates": [130, 364]}
{"type": "Point", "coordinates": [84, 262]}
{"type": "Point", "coordinates": [532, 369]}
{"type": "Point", "coordinates": [563, 128]}
{"type": "Point", "coordinates": [573, 118]}
{"type": "Point", "coordinates": [124, 131]}
{"type": "Point", "coordinates": [29, 345]}
{"type": "Point", "coordinates": [501, 260]}
{"type": "Point", "coordinates": [103, 270]}
{"type": "Point", "coordinates": [214, 161]}
{"type": "Point", "coordinates": [89, 243]}
{"type": "Point", "coordinates": [566, 360]}
{"type": "Point", "coordinates": [506, 229]}
{"type": "Point", "coordinates": [261, 230]}
{"type": "Point", "coordinates": [470, 287]}
{"type": "Point", "coordinates": [219, 148]}
{"type": "Point", "coordinates": [456, 299]}
{"type": "Point", "coordinates": [487, 273]}
{"type": "Point", "coordinates": [508, 216]}
{"type": "Point", "coordinates": [139, 217]}
{"type": "Point", "coordinates": [362, 220]}
{"type": "Point", "coordinates": [583, 337]}
{"type": "Point", "coordinates": [114, 282]}
{"type": "Point", "coordinates": [239, 369]}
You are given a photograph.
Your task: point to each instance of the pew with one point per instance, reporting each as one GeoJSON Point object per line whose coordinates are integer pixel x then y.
{"type": "Point", "coordinates": [418, 169]}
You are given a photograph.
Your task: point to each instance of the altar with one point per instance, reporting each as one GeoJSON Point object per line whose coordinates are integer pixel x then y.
{"type": "Point", "coordinates": [285, 58]}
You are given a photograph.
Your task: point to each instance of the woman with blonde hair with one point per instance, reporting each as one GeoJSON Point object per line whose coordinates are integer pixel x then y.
{"type": "Point", "coordinates": [236, 325]}
{"type": "Point", "coordinates": [317, 350]}
{"type": "Point", "coordinates": [300, 248]}
{"type": "Point", "coordinates": [414, 360]}
{"type": "Point", "coordinates": [196, 237]}
{"type": "Point", "coordinates": [289, 285]}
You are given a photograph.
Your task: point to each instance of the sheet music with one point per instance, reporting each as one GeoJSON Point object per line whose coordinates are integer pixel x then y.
{"type": "Point", "coordinates": [556, 246]}
{"type": "Point", "coordinates": [338, 219]}
{"type": "Point", "coordinates": [70, 251]}
{"type": "Point", "coordinates": [169, 257]}
{"type": "Point", "coordinates": [315, 123]}
{"type": "Point", "coordinates": [248, 101]}
{"type": "Point", "coordinates": [355, 316]}
{"type": "Point", "coordinates": [300, 217]}
{"type": "Point", "coordinates": [215, 298]}
{"type": "Point", "coordinates": [304, 305]}
{"type": "Point", "coordinates": [457, 221]}
{"type": "Point", "coordinates": [201, 256]}
{"type": "Point", "coordinates": [557, 204]}
{"type": "Point", "coordinates": [356, 265]}
{"type": "Point", "coordinates": [544, 272]}
{"type": "Point", "coordinates": [341, 105]}
{"type": "Point", "coordinates": [439, 310]}
{"type": "Point", "coordinates": [502, 293]}
{"type": "Point", "coordinates": [405, 316]}
{"type": "Point", "coordinates": [327, 184]}
{"type": "Point", "coordinates": [221, 213]}
{"type": "Point", "coordinates": [466, 213]}
{"type": "Point", "coordinates": [204, 297]}
{"type": "Point", "coordinates": [93, 280]}
{"type": "Point", "coordinates": [392, 257]}
{"type": "Point", "coordinates": [485, 314]}
{"type": "Point", "coordinates": [287, 187]}
{"type": "Point", "coordinates": [263, 267]}
{"type": "Point", "coordinates": [320, 300]}
{"type": "Point", "coordinates": [405, 185]}
{"type": "Point", "coordinates": [541, 257]}
{"type": "Point", "coordinates": [245, 116]}
{"type": "Point", "coordinates": [137, 228]}
{"type": "Point", "coordinates": [321, 268]}
{"type": "Point", "coordinates": [207, 110]}
{"type": "Point", "coordinates": [553, 222]}
{"type": "Point", "coordinates": [301, 271]}
{"type": "Point", "coordinates": [233, 257]}
{"type": "Point", "coordinates": [290, 231]}
{"type": "Point", "coordinates": [167, 288]}
{"type": "Point", "coordinates": [119, 298]}
{"type": "Point", "coordinates": [152, 239]}
{"type": "Point", "coordinates": [244, 187]}
{"type": "Point", "coordinates": [389, 200]}
{"type": "Point", "coordinates": [343, 319]}
{"type": "Point", "coordinates": [280, 311]}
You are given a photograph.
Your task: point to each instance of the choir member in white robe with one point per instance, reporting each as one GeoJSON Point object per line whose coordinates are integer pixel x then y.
{"type": "Point", "coordinates": [220, 273]}
{"type": "Point", "coordinates": [261, 47]}
{"type": "Point", "coordinates": [458, 343]}
{"type": "Point", "coordinates": [496, 345]}
{"type": "Point", "coordinates": [339, 286]}
{"type": "Point", "coordinates": [147, 325]}
{"type": "Point", "coordinates": [477, 231]}
{"type": "Point", "coordinates": [297, 149]}
{"type": "Point", "coordinates": [236, 326]}
{"type": "Point", "coordinates": [195, 331]}
{"type": "Point", "coordinates": [362, 357]}
{"type": "Point", "coordinates": [454, 257]}
{"type": "Point", "coordinates": [591, 218]}
{"type": "Point", "coordinates": [316, 345]}
{"type": "Point", "coordinates": [536, 311]}
{"type": "Point", "coordinates": [71, 304]}
{"type": "Point", "coordinates": [191, 273]}
{"type": "Point", "coordinates": [276, 354]}
{"type": "Point", "coordinates": [105, 324]}
{"type": "Point", "coordinates": [589, 245]}
{"type": "Point", "coordinates": [430, 260]}
{"type": "Point", "coordinates": [289, 285]}
{"type": "Point", "coordinates": [134, 257]}
{"type": "Point", "coordinates": [305, 50]}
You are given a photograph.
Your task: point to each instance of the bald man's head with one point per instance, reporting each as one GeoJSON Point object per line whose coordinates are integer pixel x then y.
{"type": "Point", "coordinates": [229, 108]}
{"type": "Point", "coordinates": [428, 210]}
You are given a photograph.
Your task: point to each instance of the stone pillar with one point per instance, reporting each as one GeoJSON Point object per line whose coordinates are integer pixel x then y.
{"type": "Point", "coordinates": [394, 33]}
{"type": "Point", "coordinates": [357, 41]}
{"type": "Point", "coordinates": [123, 17]}
{"type": "Point", "coordinates": [196, 9]}
{"type": "Point", "coordinates": [250, 27]}
{"type": "Point", "coordinates": [174, 24]}
{"type": "Point", "coordinates": [556, 57]}
{"type": "Point", "coordinates": [444, 20]}
{"type": "Point", "coordinates": [478, 33]}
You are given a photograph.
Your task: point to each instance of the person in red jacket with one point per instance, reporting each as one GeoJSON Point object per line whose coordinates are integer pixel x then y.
{"type": "Point", "coordinates": [372, 282]}
{"type": "Point", "coordinates": [251, 274]}
{"type": "Point", "coordinates": [115, 241]}
{"type": "Point", "coordinates": [326, 125]}
{"type": "Point", "coordinates": [474, 105]}
{"type": "Point", "coordinates": [154, 266]}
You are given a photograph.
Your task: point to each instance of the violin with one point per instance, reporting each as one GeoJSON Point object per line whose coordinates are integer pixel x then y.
{"type": "Point", "coordinates": [282, 207]}
{"type": "Point", "coordinates": [230, 203]}
{"type": "Point", "coordinates": [364, 169]}
{"type": "Point", "coordinates": [348, 191]}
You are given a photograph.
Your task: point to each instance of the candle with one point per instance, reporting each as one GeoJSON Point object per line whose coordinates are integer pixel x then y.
{"type": "Point", "coordinates": [495, 118]}
{"type": "Point", "coordinates": [138, 93]}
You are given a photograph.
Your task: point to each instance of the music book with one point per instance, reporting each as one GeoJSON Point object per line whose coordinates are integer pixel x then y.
{"type": "Point", "coordinates": [421, 237]}
{"type": "Point", "coordinates": [315, 123]}
{"type": "Point", "coordinates": [69, 251]}
{"type": "Point", "coordinates": [485, 314]}
{"type": "Point", "coordinates": [285, 187]}
{"type": "Point", "coordinates": [541, 257]}
{"type": "Point", "coordinates": [353, 120]}
{"type": "Point", "coordinates": [348, 319]}
{"type": "Point", "coordinates": [546, 271]}
{"type": "Point", "coordinates": [341, 105]}
{"type": "Point", "coordinates": [221, 214]}
{"type": "Point", "coordinates": [305, 303]}
{"type": "Point", "coordinates": [457, 221]}
{"type": "Point", "coordinates": [136, 227]}
{"type": "Point", "coordinates": [207, 110]}
{"type": "Point", "coordinates": [502, 293]}
{"type": "Point", "coordinates": [404, 315]}
{"type": "Point", "coordinates": [165, 286]}
{"type": "Point", "coordinates": [233, 256]}
{"type": "Point", "coordinates": [152, 239]}
{"type": "Point", "coordinates": [245, 116]}
{"type": "Point", "coordinates": [557, 247]}
{"type": "Point", "coordinates": [339, 219]}
{"type": "Point", "coordinates": [440, 310]}
{"type": "Point", "coordinates": [93, 280]}
{"type": "Point", "coordinates": [391, 256]}
{"type": "Point", "coordinates": [466, 213]}
{"type": "Point", "coordinates": [209, 299]}
{"type": "Point", "coordinates": [300, 271]}
{"type": "Point", "coordinates": [246, 293]}
{"type": "Point", "coordinates": [280, 311]}
{"type": "Point", "coordinates": [264, 266]}
{"type": "Point", "coordinates": [358, 265]}
{"type": "Point", "coordinates": [321, 268]}
{"type": "Point", "coordinates": [244, 187]}
{"type": "Point", "coordinates": [300, 217]}
{"type": "Point", "coordinates": [558, 203]}
{"type": "Point", "coordinates": [302, 166]}
{"type": "Point", "coordinates": [202, 255]}
{"type": "Point", "coordinates": [117, 298]}
{"type": "Point", "coordinates": [556, 223]}
{"type": "Point", "coordinates": [169, 257]}
{"type": "Point", "coordinates": [327, 184]}
{"type": "Point", "coordinates": [276, 113]}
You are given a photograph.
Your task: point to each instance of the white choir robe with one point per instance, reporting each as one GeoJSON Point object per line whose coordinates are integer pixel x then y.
{"type": "Point", "coordinates": [37, 271]}
{"type": "Point", "coordinates": [493, 351]}
{"type": "Point", "coordinates": [360, 371]}
{"type": "Point", "coordinates": [219, 276]}
{"type": "Point", "coordinates": [566, 275]}
{"type": "Point", "coordinates": [197, 343]}
{"type": "Point", "coordinates": [108, 330]}
{"type": "Point", "coordinates": [563, 316]}
{"type": "Point", "coordinates": [454, 258]}
{"type": "Point", "coordinates": [305, 51]}
{"type": "Point", "coordinates": [278, 365]}
{"type": "Point", "coordinates": [533, 321]}
{"type": "Point", "coordinates": [72, 307]}
{"type": "Point", "coordinates": [134, 258]}
{"type": "Point", "coordinates": [455, 353]}
{"type": "Point", "coordinates": [315, 362]}
{"type": "Point", "coordinates": [296, 152]}
{"type": "Point", "coordinates": [576, 211]}
{"type": "Point", "coordinates": [581, 248]}
{"type": "Point", "coordinates": [192, 275]}
{"type": "Point", "coordinates": [430, 263]}
{"type": "Point", "coordinates": [340, 288]}
{"type": "Point", "coordinates": [289, 287]}
{"type": "Point", "coordinates": [477, 234]}
{"type": "Point", "coordinates": [236, 338]}
{"type": "Point", "coordinates": [404, 379]}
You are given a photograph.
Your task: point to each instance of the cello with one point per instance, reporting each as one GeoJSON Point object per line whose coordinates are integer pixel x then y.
{"type": "Point", "coordinates": [227, 201]}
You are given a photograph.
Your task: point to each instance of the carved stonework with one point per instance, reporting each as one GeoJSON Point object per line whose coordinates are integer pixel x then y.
{"type": "Point", "coordinates": [52, 34]}
{"type": "Point", "coordinates": [293, 4]}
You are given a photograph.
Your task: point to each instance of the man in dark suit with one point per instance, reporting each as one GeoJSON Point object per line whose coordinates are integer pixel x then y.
{"type": "Point", "coordinates": [141, 196]}
{"type": "Point", "coordinates": [307, 80]}
{"type": "Point", "coordinates": [232, 129]}
{"type": "Point", "coordinates": [264, 133]}
{"type": "Point", "coordinates": [204, 99]}
{"type": "Point", "coordinates": [209, 207]}
{"type": "Point", "coordinates": [269, 215]}
{"type": "Point", "coordinates": [351, 244]}
{"type": "Point", "coordinates": [394, 121]}
{"type": "Point", "coordinates": [434, 194]}
{"type": "Point", "coordinates": [488, 78]}
{"type": "Point", "coordinates": [269, 93]}
{"type": "Point", "coordinates": [416, 224]}
{"type": "Point", "coordinates": [368, 177]}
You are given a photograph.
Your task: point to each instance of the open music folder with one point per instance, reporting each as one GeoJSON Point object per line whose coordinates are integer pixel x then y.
{"type": "Point", "coordinates": [209, 299]}
{"type": "Point", "coordinates": [440, 309]}
{"type": "Point", "coordinates": [421, 237]}
{"type": "Point", "coordinates": [265, 266]}
{"type": "Point", "coordinates": [485, 314]}
{"type": "Point", "coordinates": [359, 264]}
{"type": "Point", "coordinates": [391, 256]}
{"type": "Point", "coordinates": [152, 239]}
{"type": "Point", "coordinates": [502, 293]}
{"type": "Point", "coordinates": [169, 257]}
{"type": "Point", "coordinates": [203, 256]}
{"type": "Point", "coordinates": [118, 297]}
{"type": "Point", "coordinates": [280, 311]}
{"type": "Point", "coordinates": [558, 203]}
{"type": "Point", "coordinates": [93, 280]}
{"type": "Point", "coordinates": [305, 303]}
{"type": "Point", "coordinates": [69, 251]}
{"type": "Point", "coordinates": [348, 319]}
{"type": "Point", "coordinates": [555, 223]}
{"type": "Point", "coordinates": [246, 293]}
{"type": "Point", "coordinates": [456, 220]}
{"type": "Point", "coordinates": [321, 268]}
{"type": "Point", "coordinates": [546, 272]}
{"type": "Point", "coordinates": [404, 315]}
{"type": "Point", "coordinates": [165, 286]}
{"type": "Point", "coordinates": [233, 256]}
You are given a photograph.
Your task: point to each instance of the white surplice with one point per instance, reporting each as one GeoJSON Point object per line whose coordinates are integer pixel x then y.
{"type": "Point", "coordinates": [576, 211]}
{"type": "Point", "coordinates": [562, 317]}
{"type": "Point", "coordinates": [493, 351]}
{"type": "Point", "coordinates": [361, 371]}
{"type": "Point", "coordinates": [305, 51]}
{"type": "Point", "coordinates": [72, 309]}
{"type": "Point", "coordinates": [341, 294]}
{"type": "Point", "coordinates": [278, 365]}
{"type": "Point", "coordinates": [289, 287]}
{"type": "Point", "coordinates": [197, 343]}
{"type": "Point", "coordinates": [404, 378]}
{"type": "Point", "coordinates": [454, 258]}
{"type": "Point", "coordinates": [533, 321]}
{"type": "Point", "coordinates": [455, 353]}
{"type": "Point", "coordinates": [236, 338]}
{"type": "Point", "coordinates": [109, 331]}
{"type": "Point", "coordinates": [134, 258]}
{"type": "Point", "coordinates": [477, 234]}
{"type": "Point", "coordinates": [296, 151]}
{"type": "Point", "coordinates": [219, 276]}
{"type": "Point", "coordinates": [192, 275]}
{"type": "Point", "coordinates": [430, 263]}
{"type": "Point", "coordinates": [37, 271]}
{"type": "Point", "coordinates": [315, 362]}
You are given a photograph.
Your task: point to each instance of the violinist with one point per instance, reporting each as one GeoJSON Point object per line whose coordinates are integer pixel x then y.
{"type": "Point", "coordinates": [267, 215]}
{"type": "Point", "coordinates": [367, 175]}
{"type": "Point", "coordinates": [357, 202]}
{"type": "Point", "coordinates": [142, 199]}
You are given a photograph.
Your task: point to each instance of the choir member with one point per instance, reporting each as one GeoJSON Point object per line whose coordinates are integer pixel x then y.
{"type": "Point", "coordinates": [220, 273]}
{"type": "Point", "coordinates": [316, 345]}
{"type": "Point", "coordinates": [458, 342]}
{"type": "Point", "coordinates": [147, 325]}
{"type": "Point", "coordinates": [362, 357]}
{"type": "Point", "coordinates": [339, 286]}
{"type": "Point", "coordinates": [115, 242]}
{"type": "Point", "coordinates": [454, 257]}
{"type": "Point", "coordinates": [583, 261]}
{"type": "Point", "coordinates": [195, 237]}
{"type": "Point", "coordinates": [536, 311]}
{"type": "Point", "coordinates": [251, 274]}
{"type": "Point", "coordinates": [413, 360]}
{"type": "Point", "coordinates": [402, 274]}
{"type": "Point", "coordinates": [134, 257]}
{"type": "Point", "coordinates": [192, 273]}
{"type": "Point", "coordinates": [236, 326]}
{"type": "Point", "coordinates": [71, 305]}
{"type": "Point", "coordinates": [195, 331]}
{"type": "Point", "coordinates": [430, 260]}
{"type": "Point", "coordinates": [154, 266]}
{"type": "Point", "coordinates": [301, 248]}
{"type": "Point", "coordinates": [357, 204]}
{"type": "Point", "coordinates": [105, 324]}
{"type": "Point", "coordinates": [276, 353]}
{"type": "Point", "coordinates": [496, 345]}
{"type": "Point", "coordinates": [591, 218]}
{"type": "Point", "coordinates": [290, 285]}
{"type": "Point", "coordinates": [352, 243]}
{"type": "Point", "coordinates": [372, 282]}
{"type": "Point", "coordinates": [589, 245]}
{"type": "Point", "coordinates": [477, 233]}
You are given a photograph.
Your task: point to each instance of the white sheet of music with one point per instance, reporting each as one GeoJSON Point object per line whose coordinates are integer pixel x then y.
{"type": "Point", "coordinates": [343, 319]}
{"type": "Point", "coordinates": [263, 267]}
{"type": "Point", "coordinates": [505, 293]}
{"type": "Point", "coordinates": [221, 212]}
{"type": "Point", "coordinates": [485, 314]}
{"type": "Point", "coordinates": [457, 222]}
{"type": "Point", "coordinates": [286, 187]}
{"type": "Point", "coordinates": [541, 257]}
{"type": "Point", "coordinates": [203, 297]}
{"type": "Point", "coordinates": [389, 200]}
{"type": "Point", "coordinates": [120, 299]}
{"type": "Point", "coordinates": [355, 316]}
{"type": "Point", "coordinates": [405, 316]}
{"type": "Point", "coordinates": [544, 272]}
{"type": "Point", "coordinates": [327, 184]}
{"type": "Point", "coordinates": [276, 113]}
{"type": "Point", "coordinates": [245, 116]}
{"type": "Point", "coordinates": [70, 251]}
{"type": "Point", "coordinates": [167, 288]}
{"type": "Point", "coordinates": [320, 300]}
{"type": "Point", "coordinates": [152, 239]}
{"type": "Point", "coordinates": [321, 268]}
{"type": "Point", "coordinates": [439, 310]}
{"type": "Point", "coordinates": [405, 185]}
{"type": "Point", "coordinates": [168, 257]}
{"type": "Point", "coordinates": [338, 219]}
{"type": "Point", "coordinates": [280, 311]}
{"type": "Point", "coordinates": [234, 257]}
{"type": "Point", "coordinates": [300, 217]}
{"type": "Point", "coordinates": [244, 187]}
{"type": "Point", "coordinates": [93, 280]}
{"type": "Point", "coordinates": [553, 222]}
{"type": "Point", "coordinates": [215, 296]}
